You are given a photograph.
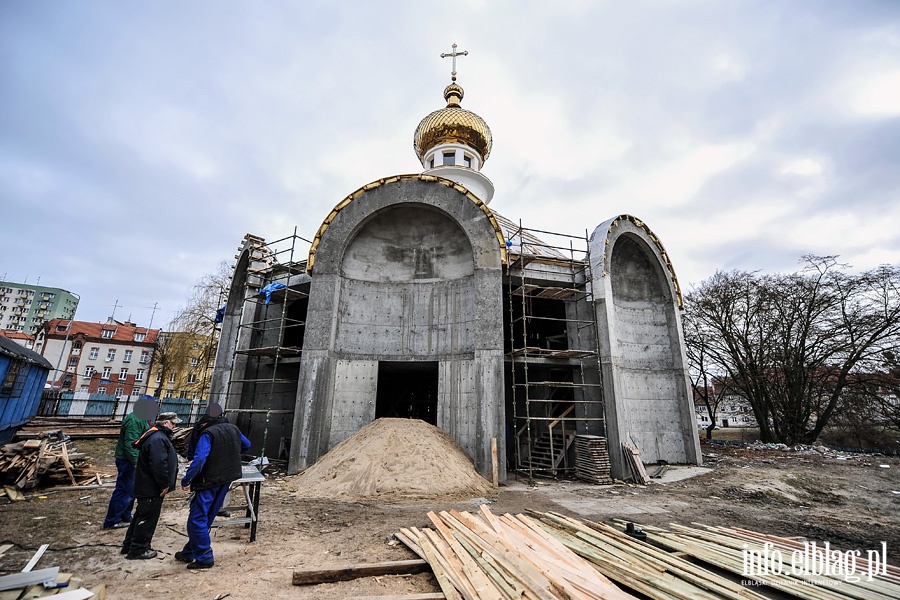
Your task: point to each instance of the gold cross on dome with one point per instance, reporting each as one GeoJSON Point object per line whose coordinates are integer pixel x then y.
{"type": "Point", "coordinates": [453, 55]}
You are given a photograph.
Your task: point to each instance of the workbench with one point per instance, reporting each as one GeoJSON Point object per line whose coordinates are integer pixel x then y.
{"type": "Point", "coordinates": [250, 483]}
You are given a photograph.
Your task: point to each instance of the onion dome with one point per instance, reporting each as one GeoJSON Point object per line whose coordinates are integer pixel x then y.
{"type": "Point", "coordinates": [453, 124]}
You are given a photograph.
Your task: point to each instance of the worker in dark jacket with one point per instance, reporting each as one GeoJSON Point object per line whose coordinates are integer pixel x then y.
{"type": "Point", "coordinates": [156, 475]}
{"type": "Point", "coordinates": [135, 423]}
{"type": "Point", "coordinates": [216, 463]}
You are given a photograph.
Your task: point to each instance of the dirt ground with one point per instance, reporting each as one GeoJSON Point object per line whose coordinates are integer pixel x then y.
{"type": "Point", "coordinates": [852, 502]}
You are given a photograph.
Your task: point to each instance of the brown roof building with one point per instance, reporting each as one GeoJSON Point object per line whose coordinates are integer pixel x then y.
{"type": "Point", "coordinates": [105, 358]}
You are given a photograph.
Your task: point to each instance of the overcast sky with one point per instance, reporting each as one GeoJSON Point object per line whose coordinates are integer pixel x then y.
{"type": "Point", "coordinates": [140, 141]}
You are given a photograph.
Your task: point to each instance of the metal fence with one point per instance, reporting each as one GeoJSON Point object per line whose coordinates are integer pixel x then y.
{"type": "Point", "coordinates": [80, 405]}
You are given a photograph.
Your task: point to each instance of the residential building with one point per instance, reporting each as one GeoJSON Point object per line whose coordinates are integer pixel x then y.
{"type": "Point", "coordinates": [98, 358]}
{"type": "Point", "coordinates": [25, 307]}
{"type": "Point", "coordinates": [182, 365]}
{"type": "Point", "coordinates": [733, 411]}
{"type": "Point", "coordinates": [20, 337]}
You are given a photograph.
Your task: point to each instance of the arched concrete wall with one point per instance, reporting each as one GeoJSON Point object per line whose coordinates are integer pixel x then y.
{"type": "Point", "coordinates": [409, 270]}
{"type": "Point", "coordinates": [645, 380]}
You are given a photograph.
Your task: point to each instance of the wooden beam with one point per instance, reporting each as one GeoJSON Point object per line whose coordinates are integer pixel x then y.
{"type": "Point", "coordinates": [348, 572]}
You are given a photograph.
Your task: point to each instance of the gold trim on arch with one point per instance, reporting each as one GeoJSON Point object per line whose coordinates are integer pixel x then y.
{"type": "Point", "coordinates": [386, 180]}
{"type": "Point", "coordinates": [659, 246]}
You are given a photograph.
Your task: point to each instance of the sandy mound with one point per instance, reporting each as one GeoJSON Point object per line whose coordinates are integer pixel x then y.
{"type": "Point", "coordinates": [395, 459]}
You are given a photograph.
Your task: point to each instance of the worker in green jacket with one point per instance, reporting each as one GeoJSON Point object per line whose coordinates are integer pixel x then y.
{"type": "Point", "coordinates": [133, 427]}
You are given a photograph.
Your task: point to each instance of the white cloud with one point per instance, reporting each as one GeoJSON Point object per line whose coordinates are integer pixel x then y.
{"type": "Point", "coordinates": [877, 94]}
{"type": "Point", "coordinates": [803, 166]}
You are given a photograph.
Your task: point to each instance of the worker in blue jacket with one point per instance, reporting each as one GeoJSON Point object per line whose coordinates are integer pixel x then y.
{"type": "Point", "coordinates": [216, 464]}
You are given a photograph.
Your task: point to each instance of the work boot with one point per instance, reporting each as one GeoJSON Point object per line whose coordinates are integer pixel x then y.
{"type": "Point", "coordinates": [145, 555]}
{"type": "Point", "coordinates": [199, 565]}
{"type": "Point", "coordinates": [181, 557]}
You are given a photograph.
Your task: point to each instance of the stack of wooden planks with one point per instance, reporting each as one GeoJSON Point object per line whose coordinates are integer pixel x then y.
{"type": "Point", "coordinates": [592, 459]}
{"type": "Point", "coordinates": [821, 572]}
{"type": "Point", "coordinates": [639, 566]}
{"type": "Point", "coordinates": [483, 556]}
{"type": "Point", "coordinates": [635, 466]}
{"type": "Point", "coordinates": [49, 460]}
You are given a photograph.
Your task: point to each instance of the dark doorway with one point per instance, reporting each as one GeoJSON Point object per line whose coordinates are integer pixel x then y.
{"type": "Point", "coordinates": [407, 390]}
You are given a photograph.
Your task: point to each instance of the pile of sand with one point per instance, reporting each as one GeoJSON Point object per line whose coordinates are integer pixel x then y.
{"type": "Point", "coordinates": [394, 459]}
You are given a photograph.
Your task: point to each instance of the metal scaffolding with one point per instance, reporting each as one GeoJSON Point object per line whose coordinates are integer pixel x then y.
{"type": "Point", "coordinates": [552, 350]}
{"type": "Point", "coordinates": [266, 357]}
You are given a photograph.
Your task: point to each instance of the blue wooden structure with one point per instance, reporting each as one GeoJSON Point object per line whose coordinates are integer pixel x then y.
{"type": "Point", "coordinates": [23, 374]}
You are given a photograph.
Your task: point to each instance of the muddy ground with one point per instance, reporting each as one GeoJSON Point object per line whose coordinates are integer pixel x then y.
{"type": "Point", "coordinates": [852, 502]}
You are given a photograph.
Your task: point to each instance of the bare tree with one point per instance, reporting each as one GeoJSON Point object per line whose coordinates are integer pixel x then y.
{"type": "Point", "coordinates": [188, 345]}
{"type": "Point", "coordinates": [792, 344]}
{"type": "Point", "coordinates": [707, 385]}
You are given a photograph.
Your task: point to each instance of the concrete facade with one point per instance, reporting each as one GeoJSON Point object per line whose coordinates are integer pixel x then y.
{"type": "Point", "coordinates": [647, 392]}
{"type": "Point", "coordinates": [409, 271]}
{"type": "Point", "coordinates": [418, 301]}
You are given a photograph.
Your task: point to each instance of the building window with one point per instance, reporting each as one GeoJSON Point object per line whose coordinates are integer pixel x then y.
{"type": "Point", "coordinates": [94, 353]}
{"type": "Point", "coordinates": [145, 356]}
{"type": "Point", "coordinates": [191, 378]}
{"type": "Point", "coordinates": [172, 378]}
{"type": "Point", "coordinates": [431, 163]}
{"type": "Point", "coordinates": [123, 374]}
{"type": "Point", "coordinates": [111, 355]}
{"type": "Point", "coordinates": [62, 327]}
{"type": "Point", "coordinates": [107, 371]}
{"type": "Point", "coordinates": [73, 361]}
{"type": "Point", "coordinates": [11, 386]}
{"type": "Point", "coordinates": [89, 371]}
{"type": "Point", "coordinates": [158, 376]}
{"type": "Point", "coordinates": [120, 391]}
{"type": "Point", "coordinates": [101, 389]}
{"type": "Point", "coordinates": [467, 160]}
{"type": "Point", "coordinates": [76, 345]}
{"type": "Point", "coordinates": [84, 388]}
{"type": "Point", "coordinates": [449, 158]}
{"type": "Point", "coordinates": [139, 376]}
{"type": "Point", "coordinates": [139, 337]}
{"type": "Point", "coordinates": [107, 333]}
{"type": "Point", "coordinates": [127, 357]}
{"type": "Point", "coordinates": [195, 361]}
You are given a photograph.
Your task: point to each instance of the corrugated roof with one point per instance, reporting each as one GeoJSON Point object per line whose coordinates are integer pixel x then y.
{"type": "Point", "coordinates": [14, 350]}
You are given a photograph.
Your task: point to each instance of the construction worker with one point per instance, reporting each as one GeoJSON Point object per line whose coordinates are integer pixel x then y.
{"type": "Point", "coordinates": [135, 423]}
{"type": "Point", "coordinates": [216, 463]}
{"type": "Point", "coordinates": [156, 475]}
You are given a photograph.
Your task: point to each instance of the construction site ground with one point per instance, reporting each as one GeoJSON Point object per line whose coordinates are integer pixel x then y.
{"type": "Point", "coordinates": [849, 500]}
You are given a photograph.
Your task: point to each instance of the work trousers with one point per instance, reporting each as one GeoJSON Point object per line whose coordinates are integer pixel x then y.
{"type": "Point", "coordinates": [143, 525]}
{"type": "Point", "coordinates": [204, 506]}
{"type": "Point", "coordinates": [121, 502]}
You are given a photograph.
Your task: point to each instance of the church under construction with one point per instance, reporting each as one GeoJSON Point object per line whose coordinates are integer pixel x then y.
{"type": "Point", "coordinates": [417, 300]}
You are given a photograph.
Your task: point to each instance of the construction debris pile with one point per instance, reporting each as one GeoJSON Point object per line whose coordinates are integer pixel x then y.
{"type": "Point", "coordinates": [549, 556]}
{"type": "Point", "coordinates": [394, 459]}
{"type": "Point", "coordinates": [48, 460]}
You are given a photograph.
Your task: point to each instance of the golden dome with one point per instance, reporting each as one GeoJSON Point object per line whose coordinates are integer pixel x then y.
{"type": "Point", "coordinates": [453, 124]}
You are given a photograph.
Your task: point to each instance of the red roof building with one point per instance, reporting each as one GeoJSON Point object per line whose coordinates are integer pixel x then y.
{"type": "Point", "coordinates": [105, 358]}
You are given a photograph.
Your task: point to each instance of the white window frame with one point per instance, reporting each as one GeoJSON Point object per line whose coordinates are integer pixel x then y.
{"type": "Point", "coordinates": [127, 357]}
{"type": "Point", "coordinates": [95, 352]}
